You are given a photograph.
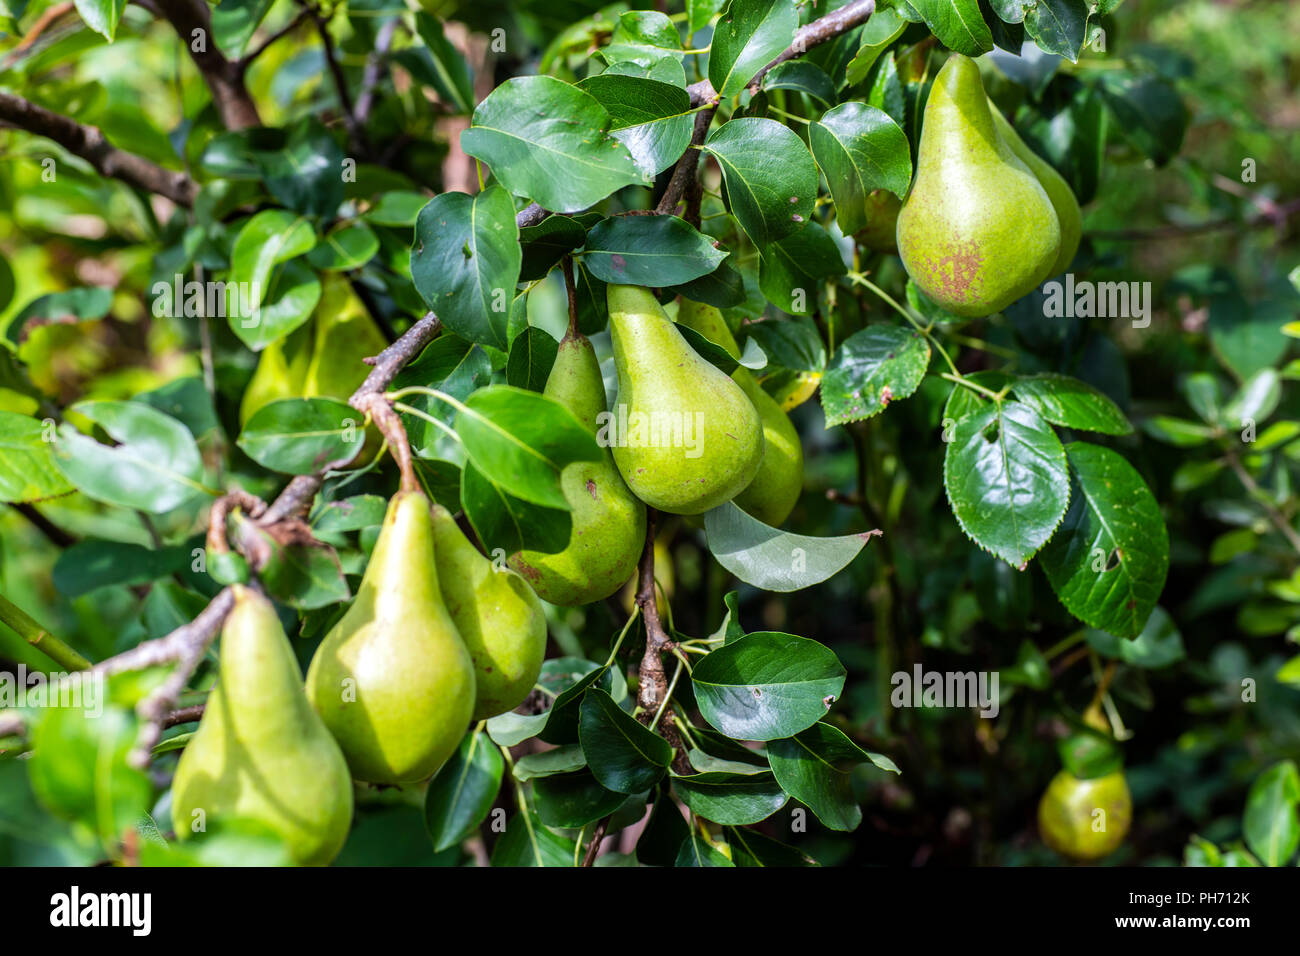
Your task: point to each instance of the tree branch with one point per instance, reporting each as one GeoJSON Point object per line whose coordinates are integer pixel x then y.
{"type": "Point", "coordinates": [90, 144]}
{"type": "Point", "coordinates": [192, 21]}
{"type": "Point", "coordinates": [356, 135]}
{"type": "Point", "coordinates": [652, 683]}
{"type": "Point", "coordinates": [41, 639]}
{"type": "Point", "coordinates": [285, 30]}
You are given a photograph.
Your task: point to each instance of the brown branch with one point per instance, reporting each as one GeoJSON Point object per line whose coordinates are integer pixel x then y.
{"type": "Point", "coordinates": [90, 144]}
{"type": "Point", "coordinates": [284, 31]}
{"type": "Point", "coordinates": [53, 533]}
{"type": "Point", "coordinates": [834, 24]}
{"type": "Point", "coordinates": [1271, 215]}
{"type": "Point", "coordinates": [43, 22]}
{"type": "Point", "coordinates": [597, 838]}
{"type": "Point", "coordinates": [374, 69]}
{"type": "Point", "coordinates": [192, 21]}
{"type": "Point", "coordinates": [356, 134]}
{"type": "Point", "coordinates": [184, 715]}
{"type": "Point", "coordinates": [652, 683]}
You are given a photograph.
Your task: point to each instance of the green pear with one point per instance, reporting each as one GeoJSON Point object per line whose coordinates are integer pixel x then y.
{"type": "Point", "coordinates": [977, 231]}
{"type": "Point", "coordinates": [771, 496]}
{"type": "Point", "coordinates": [608, 520]}
{"type": "Point", "coordinates": [280, 373]}
{"type": "Point", "coordinates": [261, 754]}
{"type": "Point", "coordinates": [880, 232]}
{"type": "Point", "coordinates": [344, 335]}
{"type": "Point", "coordinates": [686, 437]}
{"type": "Point", "coordinates": [1085, 819]}
{"type": "Point", "coordinates": [393, 680]}
{"type": "Point", "coordinates": [497, 614]}
{"type": "Point", "coordinates": [1057, 189]}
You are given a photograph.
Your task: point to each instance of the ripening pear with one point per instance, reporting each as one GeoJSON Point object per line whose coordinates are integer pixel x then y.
{"type": "Point", "coordinates": [771, 496]}
{"type": "Point", "coordinates": [977, 231]}
{"type": "Point", "coordinates": [608, 520]}
{"type": "Point", "coordinates": [1057, 189]}
{"type": "Point", "coordinates": [392, 679]}
{"type": "Point", "coordinates": [261, 753]}
{"type": "Point", "coordinates": [497, 614]}
{"type": "Point", "coordinates": [688, 438]}
{"type": "Point", "coordinates": [344, 334]}
{"type": "Point", "coordinates": [1085, 819]}
{"type": "Point", "coordinates": [280, 373]}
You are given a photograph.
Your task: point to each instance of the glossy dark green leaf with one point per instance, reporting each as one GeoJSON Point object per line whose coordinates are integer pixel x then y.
{"type": "Point", "coordinates": [1007, 480]}
{"type": "Point", "coordinates": [573, 799]}
{"type": "Point", "coordinates": [465, 262]}
{"type": "Point", "coordinates": [461, 795]}
{"type": "Point", "coordinates": [1158, 645]}
{"type": "Point", "coordinates": [722, 288]}
{"type": "Point", "coordinates": [300, 436]}
{"type": "Point", "coordinates": [860, 148]}
{"type": "Point", "coordinates": [884, 27]}
{"type": "Point", "coordinates": [1108, 561]}
{"type": "Point", "coordinates": [731, 799]}
{"type": "Point", "coordinates": [770, 176]}
{"type": "Point", "coordinates": [642, 37]}
{"type": "Point", "coordinates": [958, 24]}
{"type": "Point", "coordinates": [767, 685]}
{"type": "Point", "coordinates": [1148, 111]}
{"type": "Point", "coordinates": [623, 754]}
{"type": "Point", "coordinates": [532, 354]}
{"type": "Point", "coordinates": [349, 514]}
{"type": "Point", "coordinates": [450, 74]}
{"type": "Point", "coordinates": [522, 441]}
{"type": "Point", "coordinates": [452, 366]}
{"type": "Point", "coordinates": [527, 842]}
{"type": "Point", "coordinates": [1063, 400]}
{"type": "Point", "coordinates": [696, 851]}
{"type": "Point", "coordinates": [872, 368]}
{"type": "Point", "coordinates": [814, 767]}
{"type": "Point", "coordinates": [503, 521]}
{"type": "Point", "coordinates": [94, 563]}
{"type": "Point", "coordinates": [652, 119]}
{"type": "Point", "coordinates": [652, 251]}
{"type": "Point", "coordinates": [550, 142]}
{"type": "Point", "coordinates": [748, 36]}
{"type": "Point", "coordinates": [751, 848]}
{"type": "Point", "coordinates": [792, 270]}
{"type": "Point", "coordinates": [802, 77]}
{"type": "Point", "coordinates": [546, 243]}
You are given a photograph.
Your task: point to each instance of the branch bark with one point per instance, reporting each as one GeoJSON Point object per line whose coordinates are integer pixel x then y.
{"type": "Point", "coordinates": [192, 21]}
{"type": "Point", "coordinates": [90, 144]}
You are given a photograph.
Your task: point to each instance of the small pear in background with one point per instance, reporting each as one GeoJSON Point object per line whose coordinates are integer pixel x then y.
{"type": "Point", "coordinates": [322, 358]}
{"type": "Point", "coordinates": [977, 231]}
{"type": "Point", "coordinates": [771, 496]}
{"type": "Point", "coordinates": [608, 520]}
{"type": "Point", "coordinates": [1057, 189]}
{"type": "Point", "coordinates": [261, 754]}
{"type": "Point", "coordinates": [497, 614]}
{"type": "Point", "coordinates": [1085, 819]}
{"type": "Point", "coordinates": [393, 680]}
{"type": "Point", "coordinates": [694, 439]}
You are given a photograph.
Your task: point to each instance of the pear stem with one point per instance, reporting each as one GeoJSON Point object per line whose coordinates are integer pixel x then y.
{"type": "Point", "coordinates": [571, 287]}
{"type": "Point", "coordinates": [41, 639]}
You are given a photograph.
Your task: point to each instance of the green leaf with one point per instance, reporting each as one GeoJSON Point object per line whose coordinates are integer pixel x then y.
{"type": "Point", "coordinates": [267, 239]}
{"type": "Point", "coordinates": [803, 77]}
{"type": "Point", "coordinates": [731, 799]}
{"type": "Point", "coordinates": [461, 795]}
{"type": "Point", "coordinates": [1158, 645]}
{"type": "Point", "coordinates": [1063, 400]}
{"type": "Point", "coordinates": [724, 287]}
{"type": "Point", "coordinates": [85, 304]}
{"type": "Point", "coordinates": [1108, 561]}
{"type": "Point", "coordinates": [649, 251]}
{"type": "Point", "coordinates": [652, 119]}
{"type": "Point", "coordinates": [550, 142]}
{"type": "Point", "coordinates": [304, 574]}
{"type": "Point", "coordinates": [573, 799]}
{"type": "Point", "coordinates": [503, 521]}
{"type": "Point", "coordinates": [696, 851]}
{"type": "Point", "coordinates": [93, 563]}
{"type": "Point", "coordinates": [860, 148]}
{"type": "Point", "coordinates": [532, 354]}
{"type": "Point", "coordinates": [102, 16]}
{"type": "Point", "coordinates": [767, 685]}
{"type": "Point", "coordinates": [1006, 479]}
{"type": "Point", "coordinates": [1148, 111]}
{"type": "Point", "coordinates": [1177, 431]}
{"type": "Point", "coordinates": [300, 436]}
{"type": "Point", "coordinates": [510, 729]}
{"type": "Point", "coordinates": [791, 270]}
{"type": "Point", "coordinates": [522, 441]}
{"type": "Point", "coordinates": [452, 366]}
{"type": "Point", "coordinates": [871, 368]}
{"type": "Point", "coordinates": [957, 23]}
{"type": "Point", "coordinates": [27, 470]}
{"type": "Point", "coordinates": [349, 514]}
{"type": "Point", "coordinates": [770, 176]}
{"type": "Point", "coordinates": [747, 37]}
{"type": "Point", "coordinates": [623, 754]}
{"type": "Point", "coordinates": [465, 263]}
{"type": "Point", "coordinates": [235, 21]}
{"type": "Point", "coordinates": [548, 763]}
{"type": "Point", "coordinates": [884, 27]}
{"type": "Point", "coordinates": [527, 843]}
{"type": "Point", "coordinates": [399, 208]}
{"type": "Point", "coordinates": [449, 73]}
{"type": "Point", "coordinates": [155, 466]}
{"type": "Point", "coordinates": [546, 243]}
{"type": "Point", "coordinates": [1255, 401]}
{"type": "Point", "coordinates": [750, 848]}
{"type": "Point", "coordinates": [772, 559]}
{"type": "Point", "coordinates": [1057, 26]}
{"type": "Point", "coordinates": [814, 767]}
{"type": "Point", "coordinates": [1270, 823]}
{"type": "Point", "coordinates": [643, 37]}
